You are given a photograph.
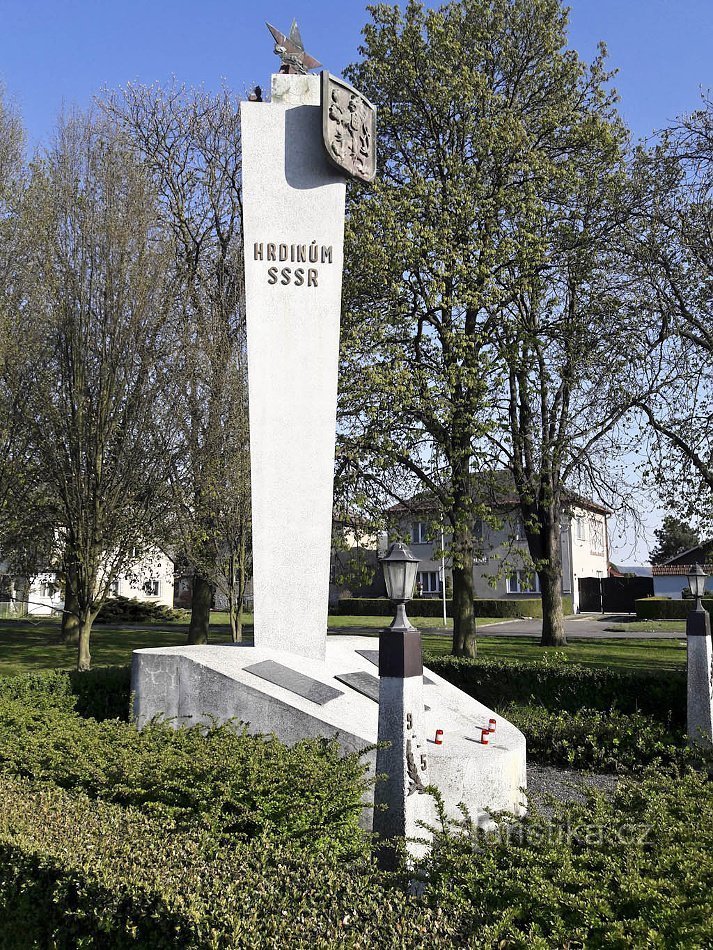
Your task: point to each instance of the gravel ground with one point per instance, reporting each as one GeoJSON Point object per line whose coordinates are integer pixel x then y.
{"type": "Point", "coordinates": [564, 785]}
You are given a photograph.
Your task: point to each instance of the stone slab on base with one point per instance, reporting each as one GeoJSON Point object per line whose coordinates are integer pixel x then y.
{"type": "Point", "coordinates": [204, 684]}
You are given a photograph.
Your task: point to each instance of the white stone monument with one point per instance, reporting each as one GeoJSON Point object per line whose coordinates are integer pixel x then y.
{"type": "Point", "coordinates": [297, 150]}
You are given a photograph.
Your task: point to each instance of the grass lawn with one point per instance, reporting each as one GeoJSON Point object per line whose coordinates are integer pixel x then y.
{"type": "Point", "coordinates": [614, 654]}
{"type": "Point", "coordinates": [28, 646]}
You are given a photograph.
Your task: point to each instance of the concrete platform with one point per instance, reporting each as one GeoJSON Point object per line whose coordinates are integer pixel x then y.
{"type": "Point", "coordinates": [204, 684]}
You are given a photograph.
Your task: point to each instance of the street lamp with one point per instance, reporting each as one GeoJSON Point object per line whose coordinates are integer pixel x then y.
{"type": "Point", "coordinates": [400, 567]}
{"type": "Point", "coordinates": [697, 584]}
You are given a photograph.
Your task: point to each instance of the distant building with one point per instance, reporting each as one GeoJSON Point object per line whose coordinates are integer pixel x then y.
{"type": "Point", "coordinates": [670, 578]}
{"type": "Point", "coordinates": [503, 568]}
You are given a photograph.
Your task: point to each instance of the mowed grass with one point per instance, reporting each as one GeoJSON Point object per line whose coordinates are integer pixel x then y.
{"type": "Point", "coordinates": [35, 645]}
{"type": "Point", "coordinates": [613, 654]}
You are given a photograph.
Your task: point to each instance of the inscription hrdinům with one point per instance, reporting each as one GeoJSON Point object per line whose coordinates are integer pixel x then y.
{"type": "Point", "coordinates": [307, 254]}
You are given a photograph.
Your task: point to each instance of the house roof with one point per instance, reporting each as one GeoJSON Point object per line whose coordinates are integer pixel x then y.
{"type": "Point", "coordinates": [694, 555]}
{"type": "Point", "coordinates": [677, 570]}
{"type": "Point", "coordinates": [497, 490]}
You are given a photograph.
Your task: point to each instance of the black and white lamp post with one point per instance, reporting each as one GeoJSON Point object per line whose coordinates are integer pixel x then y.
{"type": "Point", "coordinates": [399, 800]}
{"type": "Point", "coordinates": [700, 664]}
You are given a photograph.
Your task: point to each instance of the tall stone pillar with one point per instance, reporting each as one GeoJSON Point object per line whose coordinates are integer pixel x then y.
{"type": "Point", "coordinates": [293, 202]}
{"type": "Point", "coordinates": [699, 648]}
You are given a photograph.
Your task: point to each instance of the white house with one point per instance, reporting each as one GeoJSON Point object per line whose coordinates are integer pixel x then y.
{"type": "Point", "coordinates": [149, 579]}
{"type": "Point", "coordinates": [503, 567]}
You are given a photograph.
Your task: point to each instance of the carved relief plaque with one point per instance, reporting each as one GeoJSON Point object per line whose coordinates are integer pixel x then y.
{"type": "Point", "coordinates": [348, 128]}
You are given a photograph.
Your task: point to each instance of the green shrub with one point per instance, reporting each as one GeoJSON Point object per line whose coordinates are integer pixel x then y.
{"type": "Point", "coordinates": [634, 872]}
{"type": "Point", "coordinates": [433, 607]}
{"type": "Point", "coordinates": [601, 741]}
{"type": "Point", "coordinates": [102, 693]}
{"type": "Point", "coordinates": [663, 608]}
{"type": "Point", "coordinates": [567, 686]}
{"type": "Point", "coordinates": [131, 610]}
{"type": "Point", "coordinates": [235, 785]}
{"type": "Point", "coordinates": [74, 872]}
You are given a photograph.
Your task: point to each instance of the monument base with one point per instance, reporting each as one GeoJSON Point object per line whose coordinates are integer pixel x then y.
{"type": "Point", "coordinates": [297, 697]}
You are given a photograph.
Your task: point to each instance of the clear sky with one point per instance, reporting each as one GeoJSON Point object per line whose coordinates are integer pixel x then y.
{"type": "Point", "coordinates": [55, 54]}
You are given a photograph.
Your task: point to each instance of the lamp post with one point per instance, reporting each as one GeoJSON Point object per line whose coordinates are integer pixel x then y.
{"type": "Point", "coordinates": [699, 650]}
{"type": "Point", "coordinates": [401, 754]}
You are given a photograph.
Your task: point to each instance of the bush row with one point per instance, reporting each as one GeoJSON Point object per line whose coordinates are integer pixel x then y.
{"type": "Point", "coordinates": [102, 693]}
{"type": "Point", "coordinates": [236, 786]}
{"type": "Point", "coordinates": [131, 610]}
{"type": "Point", "coordinates": [632, 872]}
{"type": "Point", "coordinates": [663, 608]}
{"type": "Point", "coordinates": [433, 607]}
{"type": "Point", "coordinates": [567, 686]}
{"type": "Point", "coordinates": [591, 739]}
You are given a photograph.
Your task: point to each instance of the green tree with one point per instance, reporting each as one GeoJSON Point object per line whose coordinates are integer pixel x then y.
{"type": "Point", "coordinates": [672, 538]}
{"type": "Point", "coordinates": [94, 322]}
{"type": "Point", "coordinates": [491, 134]}
{"type": "Point", "coordinates": [671, 260]}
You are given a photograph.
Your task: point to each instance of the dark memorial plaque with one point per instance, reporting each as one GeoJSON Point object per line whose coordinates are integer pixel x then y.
{"type": "Point", "coordinates": [373, 657]}
{"type": "Point", "coordinates": [348, 128]}
{"type": "Point", "coordinates": [365, 683]}
{"type": "Point", "coordinates": [304, 686]}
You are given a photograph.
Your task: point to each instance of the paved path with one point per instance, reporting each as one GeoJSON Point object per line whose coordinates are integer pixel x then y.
{"type": "Point", "coordinates": [581, 626]}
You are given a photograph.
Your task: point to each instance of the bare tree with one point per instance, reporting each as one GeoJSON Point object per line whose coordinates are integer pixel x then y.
{"type": "Point", "coordinates": [95, 319]}
{"type": "Point", "coordinates": [190, 141]}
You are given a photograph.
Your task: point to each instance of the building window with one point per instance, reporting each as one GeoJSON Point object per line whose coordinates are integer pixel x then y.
{"type": "Point", "coordinates": [597, 537]}
{"type": "Point", "coordinates": [151, 588]}
{"type": "Point", "coordinates": [428, 582]}
{"type": "Point", "coordinates": [580, 529]}
{"type": "Point", "coordinates": [419, 532]}
{"type": "Point", "coordinates": [519, 534]}
{"type": "Point", "coordinates": [523, 582]}
{"type": "Point", "coordinates": [478, 529]}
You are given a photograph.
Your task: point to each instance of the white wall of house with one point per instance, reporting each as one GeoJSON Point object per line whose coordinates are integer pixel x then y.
{"type": "Point", "coordinates": [150, 579]}
{"type": "Point", "coordinates": [503, 567]}
{"type": "Point", "coordinates": [672, 585]}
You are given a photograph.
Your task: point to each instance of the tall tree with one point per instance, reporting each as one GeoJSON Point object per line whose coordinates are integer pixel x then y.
{"type": "Point", "coordinates": [95, 319]}
{"type": "Point", "coordinates": [672, 538]}
{"type": "Point", "coordinates": [190, 141]}
{"type": "Point", "coordinates": [486, 120]}
{"type": "Point", "coordinates": [671, 248]}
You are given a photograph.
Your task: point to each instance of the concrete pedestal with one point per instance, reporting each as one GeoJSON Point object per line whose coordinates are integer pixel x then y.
{"type": "Point", "coordinates": [700, 678]}
{"type": "Point", "coordinates": [202, 684]}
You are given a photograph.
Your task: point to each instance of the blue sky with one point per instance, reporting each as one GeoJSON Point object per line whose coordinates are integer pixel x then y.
{"type": "Point", "coordinates": [55, 54]}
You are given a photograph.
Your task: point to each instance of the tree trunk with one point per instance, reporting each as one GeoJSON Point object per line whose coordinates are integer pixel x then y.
{"type": "Point", "coordinates": [84, 659]}
{"type": "Point", "coordinates": [550, 576]}
{"type": "Point", "coordinates": [464, 629]}
{"type": "Point", "coordinates": [200, 610]}
{"type": "Point", "coordinates": [70, 616]}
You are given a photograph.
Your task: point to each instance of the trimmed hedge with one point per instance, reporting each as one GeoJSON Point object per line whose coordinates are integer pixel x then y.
{"type": "Point", "coordinates": [566, 686]}
{"type": "Point", "coordinates": [631, 872]}
{"type": "Point", "coordinates": [665, 608]}
{"type": "Point", "coordinates": [74, 872]}
{"type": "Point", "coordinates": [101, 693]}
{"type": "Point", "coordinates": [236, 786]}
{"type": "Point", "coordinates": [433, 607]}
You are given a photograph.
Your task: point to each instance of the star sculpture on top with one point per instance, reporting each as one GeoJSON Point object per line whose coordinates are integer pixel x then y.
{"type": "Point", "coordinates": [291, 51]}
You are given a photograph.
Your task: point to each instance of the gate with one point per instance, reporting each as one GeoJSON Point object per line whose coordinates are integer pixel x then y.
{"type": "Point", "coordinates": [613, 594]}
{"type": "Point", "coordinates": [590, 594]}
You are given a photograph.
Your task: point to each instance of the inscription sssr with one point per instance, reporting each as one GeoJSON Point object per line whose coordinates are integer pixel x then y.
{"type": "Point", "coordinates": [296, 254]}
